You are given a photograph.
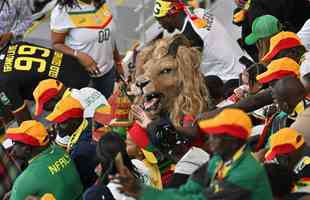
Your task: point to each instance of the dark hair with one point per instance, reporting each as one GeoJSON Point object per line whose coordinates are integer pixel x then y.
{"type": "Point", "coordinates": [74, 3]}
{"type": "Point", "coordinates": [109, 146]}
{"type": "Point", "coordinates": [229, 87]}
{"type": "Point", "coordinates": [112, 144]}
{"type": "Point", "coordinates": [294, 53]}
{"type": "Point", "coordinates": [215, 86]}
{"type": "Point", "coordinates": [281, 179]}
{"type": "Point", "coordinates": [255, 70]}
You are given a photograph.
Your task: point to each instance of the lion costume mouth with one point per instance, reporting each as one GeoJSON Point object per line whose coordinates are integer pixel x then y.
{"type": "Point", "coordinates": [152, 101]}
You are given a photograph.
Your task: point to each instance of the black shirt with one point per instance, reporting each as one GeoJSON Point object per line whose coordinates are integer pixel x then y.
{"type": "Point", "coordinates": [292, 13]}
{"type": "Point", "coordinates": [24, 65]}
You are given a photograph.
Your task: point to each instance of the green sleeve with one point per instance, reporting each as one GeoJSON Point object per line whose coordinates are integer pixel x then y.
{"type": "Point", "coordinates": [190, 191]}
{"type": "Point", "coordinates": [24, 186]}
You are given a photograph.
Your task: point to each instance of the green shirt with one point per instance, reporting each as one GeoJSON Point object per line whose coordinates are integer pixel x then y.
{"type": "Point", "coordinates": [245, 180]}
{"type": "Point", "coordinates": [52, 171]}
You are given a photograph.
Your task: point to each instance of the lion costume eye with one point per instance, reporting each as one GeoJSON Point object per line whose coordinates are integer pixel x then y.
{"type": "Point", "coordinates": [165, 71]}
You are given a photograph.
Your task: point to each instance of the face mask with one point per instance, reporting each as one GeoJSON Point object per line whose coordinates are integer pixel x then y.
{"type": "Point", "coordinates": [283, 160]}
{"type": "Point", "coordinates": [61, 130]}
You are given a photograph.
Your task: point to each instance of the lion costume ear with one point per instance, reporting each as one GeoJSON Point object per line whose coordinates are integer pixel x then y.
{"type": "Point", "coordinates": [177, 41]}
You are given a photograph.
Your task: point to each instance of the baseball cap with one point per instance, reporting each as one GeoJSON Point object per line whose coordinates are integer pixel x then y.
{"type": "Point", "coordinates": [280, 42]}
{"type": "Point", "coordinates": [263, 26]}
{"type": "Point", "coordinates": [232, 122]}
{"type": "Point", "coordinates": [278, 69]}
{"type": "Point", "coordinates": [66, 108]}
{"type": "Point", "coordinates": [141, 139]}
{"type": "Point", "coordinates": [45, 90]}
{"type": "Point", "coordinates": [29, 132]}
{"type": "Point", "coordinates": [284, 141]}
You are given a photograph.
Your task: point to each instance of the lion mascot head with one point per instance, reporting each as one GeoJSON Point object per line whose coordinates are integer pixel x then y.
{"type": "Point", "coordinates": [167, 79]}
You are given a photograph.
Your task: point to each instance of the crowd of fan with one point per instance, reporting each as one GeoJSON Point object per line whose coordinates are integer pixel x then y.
{"type": "Point", "coordinates": [254, 141]}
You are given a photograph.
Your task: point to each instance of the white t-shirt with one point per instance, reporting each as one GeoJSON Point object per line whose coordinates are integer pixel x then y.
{"type": "Point", "coordinates": [220, 53]}
{"type": "Point", "coordinates": [90, 30]}
{"type": "Point", "coordinates": [304, 34]}
{"type": "Point", "coordinates": [305, 65]}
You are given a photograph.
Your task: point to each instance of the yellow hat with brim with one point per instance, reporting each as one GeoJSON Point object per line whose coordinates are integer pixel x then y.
{"type": "Point", "coordinates": [232, 122]}
{"type": "Point", "coordinates": [29, 132]}
{"type": "Point", "coordinates": [280, 42]}
{"type": "Point", "coordinates": [285, 141]}
{"type": "Point", "coordinates": [45, 91]}
{"type": "Point", "coordinates": [278, 69]}
{"type": "Point", "coordinates": [66, 108]}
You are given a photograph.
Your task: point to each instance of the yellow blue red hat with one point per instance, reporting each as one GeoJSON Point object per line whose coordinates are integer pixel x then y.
{"type": "Point", "coordinates": [232, 122]}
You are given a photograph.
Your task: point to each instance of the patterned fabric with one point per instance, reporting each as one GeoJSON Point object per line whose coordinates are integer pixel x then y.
{"type": "Point", "coordinates": [15, 17]}
{"type": "Point", "coordinates": [251, 184]}
{"type": "Point", "coordinates": [8, 172]}
{"type": "Point", "coordinates": [115, 116]}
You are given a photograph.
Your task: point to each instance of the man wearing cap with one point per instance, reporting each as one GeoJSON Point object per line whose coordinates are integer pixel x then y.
{"type": "Point", "coordinates": [287, 48]}
{"type": "Point", "coordinates": [276, 70]}
{"type": "Point", "coordinates": [285, 44]}
{"type": "Point", "coordinates": [288, 148]}
{"type": "Point", "coordinates": [292, 14]}
{"type": "Point", "coordinates": [232, 172]}
{"type": "Point", "coordinates": [220, 52]}
{"type": "Point", "coordinates": [24, 65]}
{"type": "Point", "coordinates": [48, 93]}
{"type": "Point", "coordinates": [287, 93]}
{"type": "Point", "coordinates": [68, 115]}
{"type": "Point", "coordinates": [31, 143]}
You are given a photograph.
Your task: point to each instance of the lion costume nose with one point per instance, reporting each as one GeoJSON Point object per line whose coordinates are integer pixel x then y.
{"type": "Point", "coordinates": [142, 83]}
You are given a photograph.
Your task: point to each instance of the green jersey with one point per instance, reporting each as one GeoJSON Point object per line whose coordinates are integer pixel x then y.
{"type": "Point", "coordinates": [53, 172]}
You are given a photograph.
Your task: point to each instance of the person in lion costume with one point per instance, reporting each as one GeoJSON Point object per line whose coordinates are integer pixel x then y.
{"type": "Point", "coordinates": [167, 79]}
